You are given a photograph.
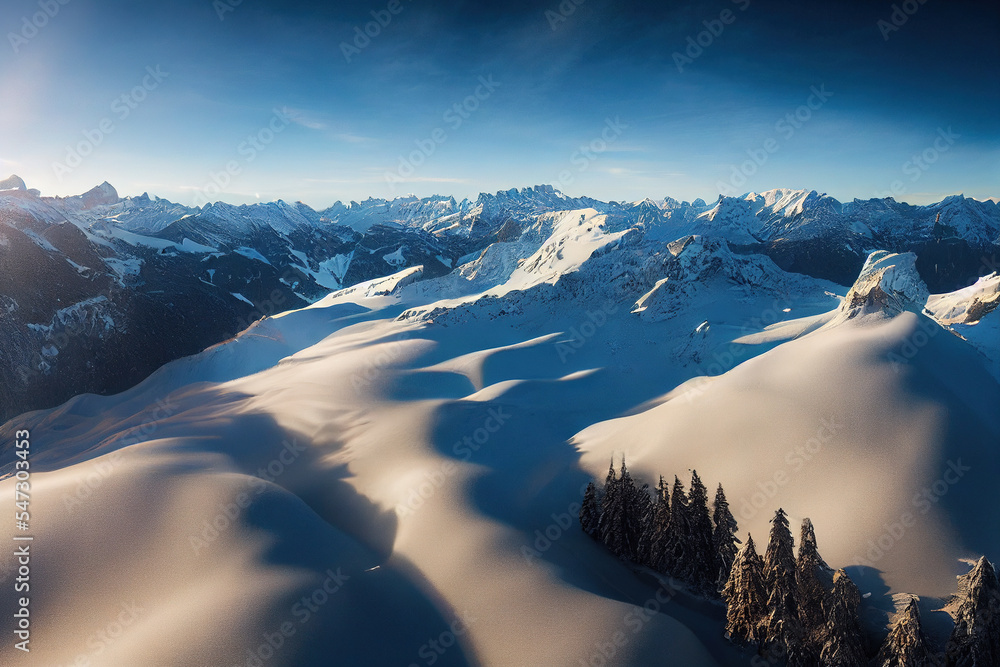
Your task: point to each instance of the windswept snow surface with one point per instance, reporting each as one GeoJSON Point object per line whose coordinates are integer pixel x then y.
{"type": "Point", "coordinates": [391, 476]}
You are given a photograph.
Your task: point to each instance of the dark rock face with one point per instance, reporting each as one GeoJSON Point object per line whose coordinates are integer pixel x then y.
{"type": "Point", "coordinates": [822, 258]}
{"type": "Point", "coordinates": [71, 323]}
{"type": "Point", "coordinates": [950, 264]}
{"type": "Point", "coordinates": [96, 292]}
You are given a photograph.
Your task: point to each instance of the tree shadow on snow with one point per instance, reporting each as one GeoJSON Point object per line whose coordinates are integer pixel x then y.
{"type": "Point", "coordinates": [533, 484]}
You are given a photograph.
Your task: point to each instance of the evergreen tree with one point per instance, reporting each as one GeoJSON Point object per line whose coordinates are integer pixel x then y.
{"type": "Point", "coordinates": [724, 538]}
{"type": "Point", "coordinates": [642, 507]}
{"type": "Point", "coordinates": [906, 645]}
{"type": "Point", "coordinates": [844, 643]}
{"type": "Point", "coordinates": [700, 565]}
{"type": "Point", "coordinates": [660, 526]}
{"type": "Point", "coordinates": [745, 596]}
{"type": "Point", "coordinates": [814, 581]}
{"type": "Point", "coordinates": [622, 511]}
{"type": "Point", "coordinates": [590, 512]}
{"type": "Point", "coordinates": [679, 534]}
{"type": "Point", "coordinates": [635, 504]}
{"type": "Point", "coordinates": [975, 640]}
{"type": "Point", "coordinates": [779, 558]}
{"type": "Point", "coordinates": [782, 630]}
{"type": "Point", "coordinates": [612, 512]}
{"type": "Point", "coordinates": [612, 477]}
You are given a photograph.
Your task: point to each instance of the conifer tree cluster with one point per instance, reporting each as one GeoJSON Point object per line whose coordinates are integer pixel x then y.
{"type": "Point", "coordinates": [794, 609]}
{"type": "Point", "coordinates": [672, 531]}
{"type": "Point", "coordinates": [975, 638]}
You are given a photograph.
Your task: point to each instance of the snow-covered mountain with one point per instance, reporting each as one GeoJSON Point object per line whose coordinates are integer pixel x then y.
{"type": "Point", "coordinates": [99, 290]}
{"type": "Point", "coordinates": [391, 474]}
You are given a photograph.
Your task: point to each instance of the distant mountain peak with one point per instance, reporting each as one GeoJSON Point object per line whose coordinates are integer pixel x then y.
{"type": "Point", "coordinates": [13, 182]}
{"type": "Point", "coordinates": [101, 195]}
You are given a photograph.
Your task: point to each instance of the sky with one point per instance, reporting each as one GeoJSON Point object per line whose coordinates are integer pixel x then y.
{"type": "Point", "coordinates": [253, 100]}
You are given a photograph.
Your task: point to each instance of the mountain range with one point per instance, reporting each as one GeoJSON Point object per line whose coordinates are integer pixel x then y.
{"type": "Point", "coordinates": [97, 291]}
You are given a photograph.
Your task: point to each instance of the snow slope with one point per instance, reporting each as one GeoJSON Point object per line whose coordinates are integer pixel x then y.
{"type": "Point", "coordinates": [391, 475]}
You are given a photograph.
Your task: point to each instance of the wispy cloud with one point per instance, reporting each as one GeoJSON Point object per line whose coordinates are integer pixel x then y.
{"type": "Point", "coordinates": [332, 129]}
{"type": "Point", "coordinates": [624, 171]}
{"type": "Point", "coordinates": [306, 119]}
{"type": "Point", "coordinates": [379, 178]}
{"type": "Point", "coordinates": [435, 179]}
{"type": "Point", "coordinates": [353, 138]}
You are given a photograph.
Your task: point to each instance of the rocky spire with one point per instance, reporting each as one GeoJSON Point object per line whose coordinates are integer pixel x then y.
{"type": "Point", "coordinates": [888, 285]}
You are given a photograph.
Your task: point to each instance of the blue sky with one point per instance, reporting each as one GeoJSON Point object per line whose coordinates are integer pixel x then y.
{"type": "Point", "coordinates": [247, 100]}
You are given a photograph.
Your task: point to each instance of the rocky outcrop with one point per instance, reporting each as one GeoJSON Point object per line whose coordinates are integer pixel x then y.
{"type": "Point", "coordinates": [888, 285]}
{"type": "Point", "coordinates": [13, 182]}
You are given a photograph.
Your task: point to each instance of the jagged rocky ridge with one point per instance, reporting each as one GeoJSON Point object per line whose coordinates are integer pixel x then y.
{"type": "Point", "coordinates": [98, 290]}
